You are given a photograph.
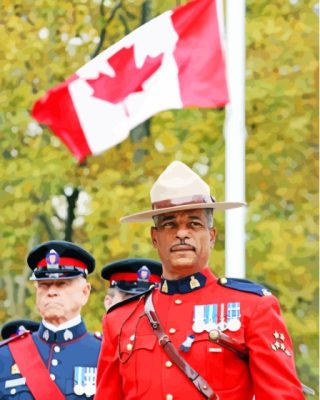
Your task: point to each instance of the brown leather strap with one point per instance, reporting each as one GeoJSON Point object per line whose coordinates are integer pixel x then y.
{"type": "Point", "coordinates": [173, 354]}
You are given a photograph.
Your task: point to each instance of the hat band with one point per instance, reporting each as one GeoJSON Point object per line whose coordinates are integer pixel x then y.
{"type": "Point", "coordinates": [179, 201]}
{"type": "Point", "coordinates": [64, 262]}
{"type": "Point", "coordinates": [132, 276]}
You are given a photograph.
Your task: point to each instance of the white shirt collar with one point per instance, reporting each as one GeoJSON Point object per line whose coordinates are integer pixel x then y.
{"type": "Point", "coordinates": [69, 324]}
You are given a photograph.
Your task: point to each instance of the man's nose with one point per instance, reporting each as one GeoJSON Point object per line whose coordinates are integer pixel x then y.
{"type": "Point", "coordinates": [52, 291]}
{"type": "Point", "coordinates": [182, 232]}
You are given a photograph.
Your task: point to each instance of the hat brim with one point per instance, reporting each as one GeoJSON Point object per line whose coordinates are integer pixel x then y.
{"type": "Point", "coordinates": [56, 276]}
{"type": "Point", "coordinates": [147, 215]}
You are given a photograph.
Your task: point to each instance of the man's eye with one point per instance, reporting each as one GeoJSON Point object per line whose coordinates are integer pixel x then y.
{"type": "Point", "coordinates": [196, 223]}
{"type": "Point", "coordinates": [167, 225]}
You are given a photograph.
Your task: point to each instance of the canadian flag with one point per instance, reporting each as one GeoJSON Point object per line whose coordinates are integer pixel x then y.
{"type": "Point", "coordinates": [171, 62]}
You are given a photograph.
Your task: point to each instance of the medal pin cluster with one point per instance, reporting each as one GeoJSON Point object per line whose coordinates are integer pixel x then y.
{"type": "Point", "coordinates": [216, 319]}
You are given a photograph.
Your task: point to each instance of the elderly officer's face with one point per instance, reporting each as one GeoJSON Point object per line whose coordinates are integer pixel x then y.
{"type": "Point", "coordinates": [61, 300]}
{"type": "Point", "coordinates": [183, 240]}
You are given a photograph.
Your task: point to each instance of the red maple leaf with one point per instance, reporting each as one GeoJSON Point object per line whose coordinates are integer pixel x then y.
{"type": "Point", "coordinates": [128, 78]}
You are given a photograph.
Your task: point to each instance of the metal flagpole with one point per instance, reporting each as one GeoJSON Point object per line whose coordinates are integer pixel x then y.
{"type": "Point", "coordinates": [235, 138]}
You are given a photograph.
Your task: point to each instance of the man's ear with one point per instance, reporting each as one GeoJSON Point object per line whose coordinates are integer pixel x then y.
{"type": "Point", "coordinates": [153, 233]}
{"type": "Point", "coordinates": [107, 301]}
{"type": "Point", "coordinates": [213, 236]}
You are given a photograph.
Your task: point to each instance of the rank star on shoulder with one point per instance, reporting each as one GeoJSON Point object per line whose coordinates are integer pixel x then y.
{"type": "Point", "coordinates": [276, 335]}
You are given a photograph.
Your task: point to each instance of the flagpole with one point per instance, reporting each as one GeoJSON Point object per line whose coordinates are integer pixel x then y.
{"type": "Point", "coordinates": [235, 138]}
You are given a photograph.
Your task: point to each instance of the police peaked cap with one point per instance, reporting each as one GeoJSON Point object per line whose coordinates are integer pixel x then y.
{"type": "Point", "coordinates": [18, 326]}
{"type": "Point", "coordinates": [133, 275]}
{"type": "Point", "coordinates": [58, 259]}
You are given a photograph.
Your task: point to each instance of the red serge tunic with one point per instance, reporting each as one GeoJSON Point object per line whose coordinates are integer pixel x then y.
{"type": "Point", "coordinates": [133, 366]}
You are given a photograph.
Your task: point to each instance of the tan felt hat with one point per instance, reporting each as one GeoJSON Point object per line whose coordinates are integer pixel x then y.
{"type": "Point", "coordinates": [179, 188]}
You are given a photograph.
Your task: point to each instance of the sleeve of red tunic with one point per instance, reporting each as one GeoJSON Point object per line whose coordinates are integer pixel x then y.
{"type": "Point", "coordinates": [108, 376]}
{"type": "Point", "coordinates": [270, 353]}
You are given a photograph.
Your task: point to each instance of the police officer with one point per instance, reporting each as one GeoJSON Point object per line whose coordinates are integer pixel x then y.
{"type": "Point", "coordinates": [59, 360]}
{"type": "Point", "coordinates": [17, 326]}
{"type": "Point", "coordinates": [129, 277]}
{"type": "Point", "coordinates": [164, 344]}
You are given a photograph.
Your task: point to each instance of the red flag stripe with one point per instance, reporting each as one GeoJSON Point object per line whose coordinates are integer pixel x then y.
{"type": "Point", "coordinates": [199, 55]}
{"type": "Point", "coordinates": [56, 110]}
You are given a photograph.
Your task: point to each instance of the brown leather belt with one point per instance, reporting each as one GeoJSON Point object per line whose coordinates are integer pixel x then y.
{"type": "Point", "coordinates": [173, 354]}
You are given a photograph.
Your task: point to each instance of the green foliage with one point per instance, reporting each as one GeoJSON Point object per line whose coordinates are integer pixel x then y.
{"type": "Point", "coordinates": [43, 43]}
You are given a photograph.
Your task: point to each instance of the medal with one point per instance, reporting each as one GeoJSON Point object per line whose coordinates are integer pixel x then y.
{"type": "Point", "coordinates": [222, 325]}
{"type": "Point", "coordinates": [234, 325]}
{"type": "Point", "coordinates": [198, 324]}
{"type": "Point", "coordinates": [85, 381]}
{"type": "Point", "coordinates": [78, 390]}
{"type": "Point", "coordinates": [233, 317]}
{"type": "Point", "coordinates": [211, 317]}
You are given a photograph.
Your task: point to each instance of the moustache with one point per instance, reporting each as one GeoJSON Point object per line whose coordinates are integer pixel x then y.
{"type": "Point", "coordinates": [184, 245]}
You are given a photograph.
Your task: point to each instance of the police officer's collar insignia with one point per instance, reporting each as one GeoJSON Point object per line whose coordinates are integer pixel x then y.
{"type": "Point", "coordinates": [46, 335]}
{"type": "Point", "coordinates": [164, 287]}
{"type": "Point", "coordinates": [184, 285]}
{"type": "Point", "coordinates": [68, 335]}
{"type": "Point", "coordinates": [194, 283]}
{"type": "Point", "coordinates": [143, 274]}
{"type": "Point", "coordinates": [15, 369]}
{"type": "Point", "coordinates": [52, 259]}
{"type": "Point", "coordinates": [85, 381]}
{"type": "Point", "coordinates": [279, 343]}
{"type": "Point", "coordinates": [63, 335]}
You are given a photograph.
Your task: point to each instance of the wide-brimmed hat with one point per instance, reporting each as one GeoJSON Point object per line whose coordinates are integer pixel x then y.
{"type": "Point", "coordinates": [179, 188]}
{"type": "Point", "coordinates": [59, 259]}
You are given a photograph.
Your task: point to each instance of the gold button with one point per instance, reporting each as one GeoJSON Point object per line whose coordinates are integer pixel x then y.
{"type": "Point", "coordinates": [169, 397]}
{"type": "Point", "coordinates": [178, 301]}
{"type": "Point", "coordinates": [132, 338]}
{"type": "Point", "coordinates": [223, 281]}
{"type": "Point", "coordinates": [172, 330]}
{"type": "Point", "coordinates": [168, 364]}
{"type": "Point", "coordinates": [129, 347]}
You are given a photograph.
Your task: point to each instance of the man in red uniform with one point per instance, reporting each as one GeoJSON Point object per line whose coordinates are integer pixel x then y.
{"type": "Point", "coordinates": [195, 336]}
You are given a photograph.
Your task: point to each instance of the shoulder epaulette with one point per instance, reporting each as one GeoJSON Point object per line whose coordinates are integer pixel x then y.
{"type": "Point", "coordinates": [15, 337]}
{"type": "Point", "coordinates": [244, 285]}
{"type": "Point", "coordinates": [130, 299]}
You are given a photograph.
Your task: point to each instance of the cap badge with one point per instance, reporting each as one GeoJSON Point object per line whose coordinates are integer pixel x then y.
{"type": "Point", "coordinates": [144, 274]}
{"type": "Point", "coordinates": [52, 259]}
